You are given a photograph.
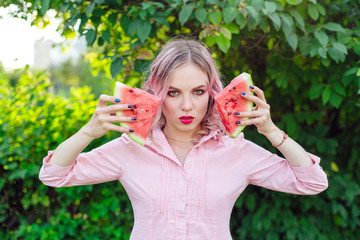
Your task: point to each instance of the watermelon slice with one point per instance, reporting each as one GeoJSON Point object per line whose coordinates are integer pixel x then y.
{"type": "Point", "coordinates": [145, 106]}
{"type": "Point", "coordinates": [229, 101]}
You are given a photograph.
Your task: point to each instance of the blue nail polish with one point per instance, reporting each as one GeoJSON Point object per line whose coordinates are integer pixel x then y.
{"type": "Point", "coordinates": [252, 87]}
{"type": "Point", "coordinates": [117, 100]}
{"type": "Point", "coordinates": [130, 106]}
{"type": "Point", "coordinates": [238, 122]}
{"type": "Point", "coordinates": [131, 130]}
{"type": "Point", "coordinates": [242, 93]}
{"type": "Point", "coordinates": [237, 113]}
{"type": "Point", "coordinates": [133, 118]}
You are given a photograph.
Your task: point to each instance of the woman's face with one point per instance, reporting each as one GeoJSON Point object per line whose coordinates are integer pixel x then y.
{"type": "Point", "coordinates": [187, 99]}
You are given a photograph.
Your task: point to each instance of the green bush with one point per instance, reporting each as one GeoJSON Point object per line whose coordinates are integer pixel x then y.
{"type": "Point", "coordinates": [34, 121]}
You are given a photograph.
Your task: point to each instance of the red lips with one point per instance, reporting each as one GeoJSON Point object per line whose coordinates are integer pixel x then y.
{"type": "Point", "coordinates": [186, 119]}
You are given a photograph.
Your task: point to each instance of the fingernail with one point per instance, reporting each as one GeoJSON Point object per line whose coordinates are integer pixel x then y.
{"type": "Point", "coordinates": [238, 122]}
{"type": "Point", "coordinates": [242, 93]}
{"type": "Point", "coordinates": [130, 106]}
{"type": "Point", "coordinates": [117, 100]}
{"type": "Point", "coordinates": [252, 87]}
{"type": "Point", "coordinates": [237, 113]}
{"type": "Point", "coordinates": [133, 118]}
{"type": "Point", "coordinates": [131, 130]}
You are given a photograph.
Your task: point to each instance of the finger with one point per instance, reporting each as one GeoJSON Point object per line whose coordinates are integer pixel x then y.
{"type": "Point", "coordinates": [117, 119]}
{"type": "Point", "coordinates": [107, 98]}
{"type": "Point", "coordinates": [250, 114]}
{"type": "Point", "coordinates": [113, 108]}
{"type": "Point", "coordinates": [117, 128]}
{"type": "Point", "coordinates": [253, 121]}
{"type": "Point", "coordinates": [256, 100]}
{"type": "Point", "coordinates": [259, 92]}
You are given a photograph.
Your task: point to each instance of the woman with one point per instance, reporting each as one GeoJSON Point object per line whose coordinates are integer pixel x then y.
{"type": "Point", "coordinates": [184, 182]}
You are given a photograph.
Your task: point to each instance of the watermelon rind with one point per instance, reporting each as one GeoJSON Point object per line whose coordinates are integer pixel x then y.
{"type": "Point", "coordinates": [133, 136]}
{"type": "Point", "coordinates": [242, 77]}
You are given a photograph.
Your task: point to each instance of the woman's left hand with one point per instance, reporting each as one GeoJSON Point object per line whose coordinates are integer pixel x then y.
{"type": "Point", "coordinates": [260, 115]}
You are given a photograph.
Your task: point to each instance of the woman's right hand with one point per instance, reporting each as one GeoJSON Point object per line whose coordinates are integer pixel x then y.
{"type": "Point", "coordinates": [104, 116]}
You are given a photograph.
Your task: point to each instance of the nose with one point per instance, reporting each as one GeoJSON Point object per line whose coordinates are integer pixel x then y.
{"type": "Point", "coordinates": [186, 104]}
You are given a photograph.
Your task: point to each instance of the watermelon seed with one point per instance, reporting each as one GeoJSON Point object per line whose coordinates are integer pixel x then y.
{"type": "Point", "coordinates": [134, 112]}
{"type": "Point", "coordinates": [131, 90]}
{"type": "Point", "coordinates": [229, 113]}
{"type": "Point", "coordinates": [234, 87]}
{"type": "Point", "coordinates": [135, 106]}
{"type": "Point", "coordinates": [232, 99]}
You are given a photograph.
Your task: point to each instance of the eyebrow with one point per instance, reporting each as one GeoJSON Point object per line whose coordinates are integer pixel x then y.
{"type": "Point", "coordinates": [200, 86]}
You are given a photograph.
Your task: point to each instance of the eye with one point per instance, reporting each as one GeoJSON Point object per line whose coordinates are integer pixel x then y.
{"type": "Point", "coordinates": [172, 93]}
{"type": "Point", "coordinates": [199, 92]}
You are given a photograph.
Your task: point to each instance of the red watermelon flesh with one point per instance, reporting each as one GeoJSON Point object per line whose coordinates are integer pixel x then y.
{"type": "Point", "coordinates": [145, 106]}
{"type": "Point", "coordinates": [229, 101]}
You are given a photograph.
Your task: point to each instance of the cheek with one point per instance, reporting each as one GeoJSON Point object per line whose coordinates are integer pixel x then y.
{"type": "Point", "coordinates": [204, 104]}
{"type": "Point", "coordinates": [168, 107]}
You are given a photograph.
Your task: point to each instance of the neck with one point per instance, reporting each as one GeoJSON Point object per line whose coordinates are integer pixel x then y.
{"type": "Point", "coordinates": [181, 137]}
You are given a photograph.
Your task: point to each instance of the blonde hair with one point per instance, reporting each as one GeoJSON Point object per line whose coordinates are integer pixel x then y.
{"type": "Point", "coordinates": [174, 54]}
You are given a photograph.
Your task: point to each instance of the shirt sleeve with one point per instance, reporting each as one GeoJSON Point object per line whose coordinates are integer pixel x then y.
{"type": "Point", "coordinates": [268, 170]}
{"type": "Point", "coordinates": [103, 164]}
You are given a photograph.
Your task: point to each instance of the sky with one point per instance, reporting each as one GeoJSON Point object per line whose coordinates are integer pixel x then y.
{"type": "Point", "coordinates": [18, 37]}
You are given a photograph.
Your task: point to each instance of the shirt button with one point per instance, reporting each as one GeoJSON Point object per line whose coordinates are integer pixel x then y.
{"type": "Point", "coordinates": [184, 179]}
{"type": "Point", "coordinates": [183, 199]}
{"type": "Point", "coordinates": [182, 219]}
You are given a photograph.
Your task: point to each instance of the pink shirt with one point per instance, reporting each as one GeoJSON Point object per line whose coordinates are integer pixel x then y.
{"type": "Point", "coordinates": [191, 202]}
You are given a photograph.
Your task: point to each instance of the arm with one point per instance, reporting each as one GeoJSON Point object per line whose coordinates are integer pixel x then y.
{"type": "Point", "coordinates": [67, 166]}
{"type": "Point", "coordinates": [260, 117]}
{"type": "Point", "coordinates": [100, 123]}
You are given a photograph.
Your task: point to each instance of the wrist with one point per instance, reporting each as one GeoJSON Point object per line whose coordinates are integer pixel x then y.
{"type": "Point", "coordinates": [85, 134]}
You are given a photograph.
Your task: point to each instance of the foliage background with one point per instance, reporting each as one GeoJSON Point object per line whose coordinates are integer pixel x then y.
{"type": "Point", "coordinates": [303, 54]}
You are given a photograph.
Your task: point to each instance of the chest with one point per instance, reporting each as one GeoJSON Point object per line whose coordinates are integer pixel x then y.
{"type": "Point", "coordinates": [158, 183]}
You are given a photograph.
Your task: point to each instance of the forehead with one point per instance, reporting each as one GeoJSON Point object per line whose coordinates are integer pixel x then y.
{"type": "Point", "coordinates": [188, 76]}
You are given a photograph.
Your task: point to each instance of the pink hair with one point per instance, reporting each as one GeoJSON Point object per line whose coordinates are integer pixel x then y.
{"type": "Point", "coordinates": [175, 53]}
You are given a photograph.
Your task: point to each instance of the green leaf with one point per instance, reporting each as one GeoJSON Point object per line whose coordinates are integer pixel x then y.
{"type": "Point", "coordinates": [292, 39]}
{"type": "Point", "coordinates": [226, 32]}
{"type": "Point", "coordinates": [125, 22]}
{"type": "Point", "coordinates": [45, 5]}
{"type": "Point", "coordinates": [106, 35]}
{"type": "Point", "coordinates": [223, 42]}
{"type": "Point", "coordinates": [321, 9]}
{"type": "Point", "coordinates": [255, 14]}
{"type": "Point", "coordinates": [313, 12]}
{"type": "Point", "coordinates": [241, 20]}
{"type": "Point", "coordinates": [90, 9]}
{"type": "Point", "coordinates": [341, 47]}
{"type": "Point", "coordinates": [229, 14]}
{"type": "Point", "coordinates": [270, 7]}
{"type": "Point", "coordinates": [322, 38]}
{"type": "Point", "coordinates": [292, 2]}
{"type": "Point", "coordinates": [322, 52]}
{"type": "Point", "coordinates": [215, 17]}
{"type": "Point", "coordinates": [335, 99]}
{"type": "Point", "coordinates": [316, 90]}
{"type": "Point", "coordinates": [276, 20]}
{"type": "Point", "coordinates": [185, 13]}
{"type": "Point", "coordinates": [232, 27]}
{"type": "Point", "coordinates": [335, 27]}
{"type": "Point", "coordinates": [336, 54]}
{"type": "Point", "coordinates": [116, 67]}
{"type": "Point", "coordinates": [349, 76]}
{"type": "Point", "coordinates": [90, 37]}
{"type": "Point", "coordinates": [339, 88]}
{"type": "Point", "coordinates": [298, 18]}
{"type": "Point", "coordinates": [201, 15]}
{"type": "Point", "coordinates": [326, 95]}
{"type": "Point", "coordinates": [287, 19]}
{"type": "Point", "coordinates": [143, 30]}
